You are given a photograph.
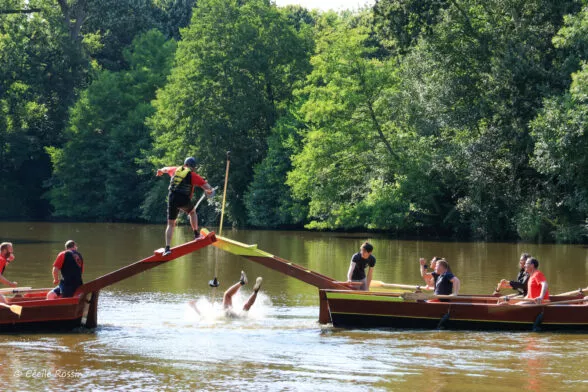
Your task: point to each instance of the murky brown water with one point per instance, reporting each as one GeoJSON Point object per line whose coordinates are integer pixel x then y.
{"type": "Point", "coordinates": [149, 339]}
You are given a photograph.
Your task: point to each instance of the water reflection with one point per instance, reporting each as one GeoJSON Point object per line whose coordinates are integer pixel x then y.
{"type": "Point", "coordinates": [533, 363]}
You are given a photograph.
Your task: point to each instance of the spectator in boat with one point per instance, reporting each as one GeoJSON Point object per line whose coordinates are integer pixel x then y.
{"type": "Point", "coordinates": [359, 262]}
{"type": "Point", "coordinates": [520, 284]}
{"type": "Point", "coordinates": [6, 257]}
{"type": "Point", "coordinates": [445, 282]}
{"type": "Point", "coordinates": [231, 291]}
{"type": "Point", "coordinates": [70, 264]}
{"type": "Point", "coordinates": [428, 277]}
{"type": "Point", "coordinates": [537, 284]}
{"type": "Point", "coordinates": [181, 188]}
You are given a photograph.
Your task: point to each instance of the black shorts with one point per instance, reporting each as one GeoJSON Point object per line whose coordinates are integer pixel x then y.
{"type": "Point", "coordinates": [177, 202]}
{"type": "Point", "coordinates": [65, 291]}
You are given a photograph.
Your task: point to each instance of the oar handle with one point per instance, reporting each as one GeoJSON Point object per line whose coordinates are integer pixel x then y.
{"type": "Point", "coordinates": [568, 302]}
{"type": "Point", "coordinates": [15, 290]}
{"type": "Point", "coordinates": [220, 230]}
{"type": "Point", "coordinates": [202, 198]}
{"type": "Point", "coordinates": [379, 283]}
{"type": "Point", "coordinates": [579, 291]}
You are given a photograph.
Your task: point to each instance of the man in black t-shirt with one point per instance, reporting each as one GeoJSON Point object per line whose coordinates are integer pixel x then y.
{"type": "Point", "coordinates": [359, 262]}
{"type": "Point", "coordinates": [445, 282]}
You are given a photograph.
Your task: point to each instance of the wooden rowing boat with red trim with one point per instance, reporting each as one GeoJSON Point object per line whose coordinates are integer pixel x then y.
{"type": "Point", "coordinates": [345, 307]}
{"type": "Point", "coordinates": [360, 309]}
{"type": "Point", "coordinates": [81, 310]}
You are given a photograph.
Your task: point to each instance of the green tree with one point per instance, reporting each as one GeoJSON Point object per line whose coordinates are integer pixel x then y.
{"type": "Point", "coordinates": [351, 167]}
{"type": "Point", "coordinates": [234, 70]}
{"type": "Point", "coordinates": [39, 70]}
{"type": "Point", "coordinates": [558, 209]}
{"type": "Point", "coordinates": [400, 23]}
{"type": "Point", "coordinates": [472, 81]}
{"type": "Point", "coordinates": [268, 199]}
{"type": "Point", "coordinates": [97, 174]}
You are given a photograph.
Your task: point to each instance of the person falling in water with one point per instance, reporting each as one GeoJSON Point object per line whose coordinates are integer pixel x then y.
{"type": "Point", "coordinates": [231, 291]}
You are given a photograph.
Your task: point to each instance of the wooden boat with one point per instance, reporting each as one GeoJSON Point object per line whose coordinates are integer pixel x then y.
{"type": "Point", "coordinates": [345, 307]}
{"type": "Point", "coordinates": [81, 310]}
{"type": "Point", "coordinates": [376, 310]}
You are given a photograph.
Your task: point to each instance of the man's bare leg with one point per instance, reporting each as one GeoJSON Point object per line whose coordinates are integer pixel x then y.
{"type": "Point", "coordinates": [253, 296]}
{"type": "Point", "coordinates": [194, 222]}
{"type": "Point", "coordinates": [169, 233]}
{"type": "Point", "coordinates": [228, 296]}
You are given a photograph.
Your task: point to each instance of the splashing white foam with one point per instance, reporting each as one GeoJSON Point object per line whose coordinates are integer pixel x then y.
{"type": "Point", "coordinates": [208, 312]}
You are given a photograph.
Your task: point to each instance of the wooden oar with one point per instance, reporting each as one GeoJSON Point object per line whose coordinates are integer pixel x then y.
{"type": "Point", "coordinates": [15, 290]}
{"type": "Point", "coordinates": [23, 290]}
{"type": "Point", "coordinates": [424, 296]}
{"type": "Point", "coordinates": [578, 291]}
{"type": "Point", "coordinates": [17, 309]}
{"type": "Point", "coordinates": [214, 282]}
{"type": "Point", "coordinates": [351, 285]}
{"type": "Point", "coordinates": [379, 283]}
{"type": "Point", "coordinates": [506, 306]}
{"type": "Point", "coordinates": [509, 296]}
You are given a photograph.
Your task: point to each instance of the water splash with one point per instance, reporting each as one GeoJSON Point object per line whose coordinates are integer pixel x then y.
{"type": "Point", "coordinates": [204, 312]}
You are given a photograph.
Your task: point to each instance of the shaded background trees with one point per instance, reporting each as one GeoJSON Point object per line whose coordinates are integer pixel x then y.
{"type": "Point", "coordinates": [461, 118]}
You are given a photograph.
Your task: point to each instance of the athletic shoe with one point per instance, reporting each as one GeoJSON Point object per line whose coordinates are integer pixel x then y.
{"type": "Point", "coordinates": [243, 279]}
{"type": "Point", "coordinates": [257, 284]}
{"type": "Point", "coordinates": [166, 251]}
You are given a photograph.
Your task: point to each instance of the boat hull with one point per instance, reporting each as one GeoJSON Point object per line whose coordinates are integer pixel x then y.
{"type": "Point", "coordinates": [40, 314]}
{"type": "Point", "coordinates": [370, 310]}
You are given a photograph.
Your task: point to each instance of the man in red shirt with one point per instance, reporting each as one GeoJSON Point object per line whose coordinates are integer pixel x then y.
{"type": "Point", "coordinates": [6, 256]}
{"type": "Point", "coordinates": [181, 188]}
{"type": "Point", "coordinates": [537, 284]}
{"type": "Point", "coordinates": [71, 266]}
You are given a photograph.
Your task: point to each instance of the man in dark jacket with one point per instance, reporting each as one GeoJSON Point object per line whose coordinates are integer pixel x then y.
{"type": "Point", "coordinates": [520, 284]}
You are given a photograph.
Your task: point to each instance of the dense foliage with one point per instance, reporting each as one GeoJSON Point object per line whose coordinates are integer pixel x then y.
{"type": "Point", "coordinates": [458, 118]}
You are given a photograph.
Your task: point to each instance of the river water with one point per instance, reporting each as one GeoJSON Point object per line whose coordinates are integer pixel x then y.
{"type": "Point", "coordinates": [149, 339]}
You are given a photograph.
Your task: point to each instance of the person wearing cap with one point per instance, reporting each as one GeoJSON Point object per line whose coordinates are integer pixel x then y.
{"type": "Point", "coordinates": [70, 264]}
{"type": "Point", "coordinates": [181, 188]}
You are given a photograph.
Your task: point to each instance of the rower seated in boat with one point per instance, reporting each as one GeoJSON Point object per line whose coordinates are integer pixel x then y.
{"type": "Point", "coordinates": [358, 264]}
{"type": "Point", "coordinates": [428, 277]}
{"type": "Point", "coordinates": [6, 257]}
{"type": "Point", "coordinates": [70, 264]}
{"type": "Point", "coordinates": [537, 285]}
{"type": "Point", "coordinates": [445, 282]}
{"type": "Point", "coordinates": [520, 283]}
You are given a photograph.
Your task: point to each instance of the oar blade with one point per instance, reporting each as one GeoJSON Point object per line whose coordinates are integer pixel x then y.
{"type": "Point", "coordinates": [16, 309]}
